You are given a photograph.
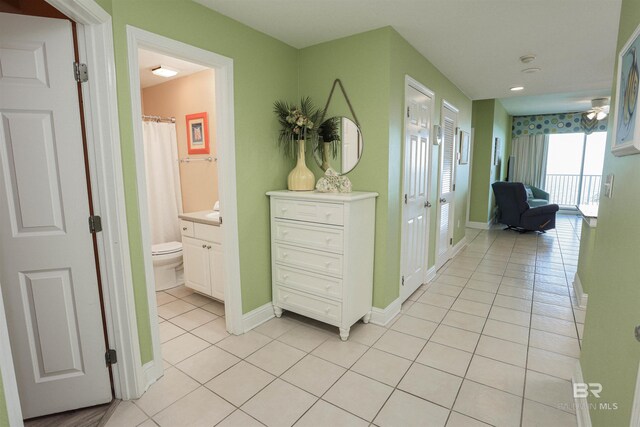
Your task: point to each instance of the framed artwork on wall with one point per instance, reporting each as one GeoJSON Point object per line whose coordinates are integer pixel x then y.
{"type": "Point", "coordinates": [198, 133]}
{"type": "Point", "coordinates": [496, 152]}
{"type": "Point", "coordinates": [626, 128]}
{"type": "Point", "coordinates": [465, 142]}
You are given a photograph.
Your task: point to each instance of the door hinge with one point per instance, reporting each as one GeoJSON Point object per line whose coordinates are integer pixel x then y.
{"type": "Point", "coordinates": [95, 224]}
{"type": "Point", "coordinates": [408, 114]}
{"type": "Point", "coordinates": [220, 220]}
{"type": "Point", "coordinates": [405, 199]}
{"type": "Point", "coordinates": [80, 72]}
{"type": "Point", "coordinates": [454, 187]}
{"type": "Point", "coordinates": [111, 357]}
{"type": "Point", "coordinates": [451, 241]}
{"type": "Point", "coordinates": [402, 280]}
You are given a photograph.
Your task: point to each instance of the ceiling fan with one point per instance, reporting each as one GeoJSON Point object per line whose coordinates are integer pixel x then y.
{"type": "Point", "coordinates": [599, 109]}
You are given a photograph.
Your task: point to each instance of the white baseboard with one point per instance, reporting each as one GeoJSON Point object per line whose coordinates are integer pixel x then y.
{"type": "Point", "coordinates": [382, 316]}
{"type": "Point", "coordinates": [459, 246]}
{"type": "Point", "coordinates": [431, 274]}
{"type": "Point", "coordinates": [581, 296]}
{"type": "Point", "coordinates": [582, 405]}
{"type": "Point", "coordinates": [257, 317]}
{"type": "Point", "coordinates": [479, 225]}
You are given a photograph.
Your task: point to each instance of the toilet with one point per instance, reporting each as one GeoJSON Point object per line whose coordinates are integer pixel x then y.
{"type": "Point", "coordinates": [167, 265]}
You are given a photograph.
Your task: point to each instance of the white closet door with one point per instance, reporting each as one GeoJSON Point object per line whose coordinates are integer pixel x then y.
{"type": "Point", "coordinates": [447, 187]}
{"type": "Point", "coordinates": [415, 231]}
{"type": "Point", "coordinates": [47, 267]}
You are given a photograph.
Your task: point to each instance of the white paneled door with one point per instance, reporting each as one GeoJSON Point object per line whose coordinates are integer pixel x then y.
{"type": "Point", "coordinates": [47, 268]}
{"type": "Point", "coordinates": [415, 213]}
{"type": "Point", "coordinates": [447, 184]}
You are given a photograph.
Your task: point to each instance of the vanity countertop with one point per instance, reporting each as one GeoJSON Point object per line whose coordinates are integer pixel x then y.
{"type": "Point", "coordinates": [203, 217]}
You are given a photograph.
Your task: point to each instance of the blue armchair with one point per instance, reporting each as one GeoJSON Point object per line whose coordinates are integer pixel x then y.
{"type": "Point", "coordinates": [515, 212]}
{"type": "Point", "coordinates": [536, 197]}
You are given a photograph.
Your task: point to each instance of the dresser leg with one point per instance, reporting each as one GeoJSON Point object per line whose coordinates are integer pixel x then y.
{"type": "Point", "coordinates": [366, 318]}
{"type": "Point", "coordinates": [277, 311]}
{"type": "Point", "coordinates": [344, 333]}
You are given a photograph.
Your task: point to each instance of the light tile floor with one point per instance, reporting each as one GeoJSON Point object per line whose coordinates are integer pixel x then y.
{"type": "Point", "coordinates": [493, 340]}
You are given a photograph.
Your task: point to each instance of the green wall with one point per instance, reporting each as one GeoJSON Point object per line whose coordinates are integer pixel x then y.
{"type": "Point", "coordinates": [610, 353]}
{"type": "Point", "coordinates": [490, 121]}
{"type": "Point", "coordinates": [264, 70]}
{"type": "Point", "coordinates": [586, 261]}
{"type": "Point", "coordinates": [372, 67]}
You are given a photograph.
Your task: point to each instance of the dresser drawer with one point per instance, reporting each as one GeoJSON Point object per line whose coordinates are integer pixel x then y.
{"type": "Point", "coordinates": [186, 228]}
{"type": "Point", "coordinates": [311, 236]}
{"type": "Point", "coordinates": [324, 213]}
{"type": "Point", "coordinates": [309, 259]}
{"type": "Point", "coordinates": [326, 286]}
{"type": "Point", "coordinates": [309, 305]}
{"type": "Point", "coordinates": [210, 233]}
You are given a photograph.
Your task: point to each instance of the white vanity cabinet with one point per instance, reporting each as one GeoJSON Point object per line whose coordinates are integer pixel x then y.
{"type": "Point", "coordinates": [202, 257]}
{"type": "Point", "coordinates": [322, 255]}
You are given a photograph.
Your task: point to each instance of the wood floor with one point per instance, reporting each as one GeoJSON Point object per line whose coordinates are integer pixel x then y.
{"type": "Point", "coordinates": [86, 417]}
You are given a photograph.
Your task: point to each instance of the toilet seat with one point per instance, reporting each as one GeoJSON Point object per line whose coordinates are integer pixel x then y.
{"type": "Point", "coordinates": [166, 248]}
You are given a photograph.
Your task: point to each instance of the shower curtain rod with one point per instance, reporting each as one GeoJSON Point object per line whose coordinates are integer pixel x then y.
{"type": "Point", "coordinates": [159, 119]}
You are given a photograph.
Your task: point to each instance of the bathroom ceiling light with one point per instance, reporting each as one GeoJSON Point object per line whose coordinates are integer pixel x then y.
{"type": "Point", "coordinates": [525, 59]}
{"type": "Point", "coordinates": [164, 71]}
{"type": "Point", "coordinates": [517, 88]}
{"type": "Point", "coordinates": [531, 70]}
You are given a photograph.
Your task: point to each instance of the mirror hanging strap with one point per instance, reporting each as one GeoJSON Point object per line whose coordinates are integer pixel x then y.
{"type": "Point", "coordinates": [344, 93]}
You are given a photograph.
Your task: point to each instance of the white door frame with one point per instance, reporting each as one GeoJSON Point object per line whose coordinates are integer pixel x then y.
{"type": "Point", "coordinates": [411, 82]}
{"type": "Point", "coordinates": [225, 136]}
{"type": "Point", "coordinates": [447, 256]}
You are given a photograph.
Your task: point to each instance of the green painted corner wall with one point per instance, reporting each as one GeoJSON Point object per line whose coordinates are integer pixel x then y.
{"type": "Point", "coordinates": [490, 121]}
{"type": "Point", "coordinates": [264, 70]}
{"type": "Point", "coordinates": [610, 353]}
{"type": "Point", "coordinates": [361, 62]}
{"type": "Point", "coordinates": [586, 261]}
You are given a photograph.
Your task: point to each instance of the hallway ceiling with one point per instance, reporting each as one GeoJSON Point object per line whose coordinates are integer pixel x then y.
{"type": "Point", "coordinates": [475, 43]}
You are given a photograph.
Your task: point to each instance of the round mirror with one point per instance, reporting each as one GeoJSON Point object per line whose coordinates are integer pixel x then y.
{"type": "Point", "coordinates": [339, 145]}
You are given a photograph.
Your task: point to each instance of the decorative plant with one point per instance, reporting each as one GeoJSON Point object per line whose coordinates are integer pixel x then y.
{"type": "Point", "coordinates": [297, 123]}
{"type": "Point", "coordinates": [329, 131]}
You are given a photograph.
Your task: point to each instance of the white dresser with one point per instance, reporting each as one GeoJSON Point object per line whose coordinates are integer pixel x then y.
{"type": "Point", "coordinates": [322, 255]}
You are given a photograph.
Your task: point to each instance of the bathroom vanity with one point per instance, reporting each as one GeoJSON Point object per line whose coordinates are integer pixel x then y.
{"type": "Point", "coordinates": [202, 253]}
{"type": "Point", "coordinates": [322, 255]}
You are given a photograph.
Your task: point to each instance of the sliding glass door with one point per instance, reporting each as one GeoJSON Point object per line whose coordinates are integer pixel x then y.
{"type": "Point", "coordinates": [574, 168]}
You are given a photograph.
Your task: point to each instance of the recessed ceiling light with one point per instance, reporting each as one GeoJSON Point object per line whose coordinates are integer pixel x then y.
{"type": "Point", "coordinates": [531, 70]}
{"type": "Point", "coordinates": [525, 59]}
{"type": "Point", "coordinates": [517, 88]}
{"type": "Point", "coordinates": [164, 71]}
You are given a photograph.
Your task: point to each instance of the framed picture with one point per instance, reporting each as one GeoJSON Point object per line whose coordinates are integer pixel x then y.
{"type": "Point", "coordinates": [465, 141]}
{"type": "Point", "coordinates": [198, 133]}
{"type": "Point", "coordinates": [626, 129]}
{"type": "Point", "coordinates": [496, 152]}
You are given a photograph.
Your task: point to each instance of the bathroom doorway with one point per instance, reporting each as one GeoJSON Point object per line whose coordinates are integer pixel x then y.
{"type": "Point", "coordinates": [183, 137]}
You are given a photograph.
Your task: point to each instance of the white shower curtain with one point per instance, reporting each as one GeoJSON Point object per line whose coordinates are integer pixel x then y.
{"type": "Point", "coordinates": [164, 198]}
{"type": "Point", "coordinates": [531, 159]}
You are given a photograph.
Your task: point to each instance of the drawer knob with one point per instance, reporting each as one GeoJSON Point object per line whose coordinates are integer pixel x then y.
{"type": "Point", "coordinates": [284, 233]}
{"type": "Point", "coordinates": [284, 255]}
{"type": "Point", "coordinates": [208, 246]}
{"type": "Point", "coordinates": [204, 246]}
{"type": "Point", "coordinates": [328, 239]}
{"type": "Point", "coordinates": [283, 210]}
{"type": "Point", "coordinates": [327, 264]}
{"type": "Point", "coordinates": [328, 214]}
{"type": "Point", "coordinates": [285, 277]}
{"type": "Point", "coordinates": [327, 310]}
{"type": "Point", "coordinates": [184, 228]}
{"type": "Point", "coordinates": [328, 287]}
{"type": "Point", "coordinates": [285, 297]}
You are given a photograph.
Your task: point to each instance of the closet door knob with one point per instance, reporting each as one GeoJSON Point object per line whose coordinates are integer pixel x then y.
{"type": "Point", "coordinates": [204, 246]}
{"type": "Point", "coordinates": [208, 246]}
{"type": "Point", "coordinates": [184, 228]}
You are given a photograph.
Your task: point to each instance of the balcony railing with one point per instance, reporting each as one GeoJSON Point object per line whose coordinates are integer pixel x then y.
{"type": "Point", "coordinates": [567, 190]}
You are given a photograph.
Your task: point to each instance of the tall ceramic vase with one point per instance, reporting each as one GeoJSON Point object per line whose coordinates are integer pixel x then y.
{"type": "Point", "coordinates": [301, 178]}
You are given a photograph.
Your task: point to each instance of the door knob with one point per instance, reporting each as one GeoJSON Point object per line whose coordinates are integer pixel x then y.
{"type": "Point", "coordinates": [204, 246]}
{"type": "Point", "coordinates": [443, 200]}
{"type": "Point", "coordinates": [208, 246]}
{"type": "Point", "coordinates": [184, 228]}
{"type": "Point", "coordinates": [427, 204]}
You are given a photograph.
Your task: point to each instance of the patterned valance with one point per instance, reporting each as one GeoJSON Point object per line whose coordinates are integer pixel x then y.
{"type": "Point", "coordinates": [556, 123]}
